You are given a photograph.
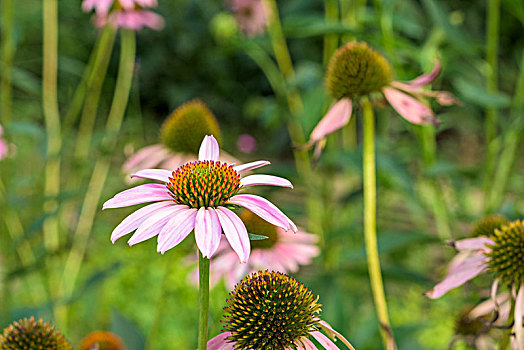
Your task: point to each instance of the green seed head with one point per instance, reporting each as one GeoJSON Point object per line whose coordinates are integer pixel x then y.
{"type": "Point", "coordinates": [506, 258]}
{"type": "Point", "coordinates": [486, 226]}
{"type": "Point", "coordinates": [34, 335]}
{"type": "Point", "coordinates": [270, 310]}
{"type": "Point", "coordinates": [258, 226]}
{"type": "Point", "coordinates": [356, 70]}
{"type": "Point", "coordinates": [185, 128]}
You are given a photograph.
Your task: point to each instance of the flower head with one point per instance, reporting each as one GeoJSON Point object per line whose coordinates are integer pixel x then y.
{"type": "Point", "coordinates": [358, 70]}
{"type": "Point", "coordinates": [486, 226]}
{"type": "Point", "coordinates": [271, 310]}
{"type": "Point", "coordinates": [281, 251]}
{"type": "Point", "coordinates": [32, 334]}
{"type": "Point", "coordinates": [249, 15]}
{"type": "Point", "coordinates": [198, 196]}
{"type": "Point", "coordinates": [128, 14]}
{"type": "Point", "coordinates": [102, 340]}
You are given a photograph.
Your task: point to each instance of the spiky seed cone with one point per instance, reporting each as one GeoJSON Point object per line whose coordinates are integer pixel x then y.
{"type": "Point", "coordinates": [486, 226]}
{"type": "Point", "coordinates": [185, 128]}
{"type": "Point", "coordinates": [356, 70]}
{"type": "Point", "coordinates": [506, 258]}
{"type": "Point", "coordinates": [256, 225]}
{"type": "Point", "coordinates": [104, 341]}
{"type": "Point", "coordinates": [33, 335]}
{"type": "Point", "coordinates": [270, 310]}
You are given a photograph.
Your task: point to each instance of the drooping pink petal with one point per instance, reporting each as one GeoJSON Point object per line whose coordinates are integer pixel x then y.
{"type": "Point", "coordinates": [147, 3]}
{"type": "Point", "coordinates": [219, 342]}
{"type": "Point", "coordinates": [133, 221]}
{"type": "Point", "coordinates": [250, 166]}
{"type": "Point", "coordinates": [207, 231]}
{"type": "Point", "coordinates": [326, 327]}
{"type": "Point", "coordinates": [154, 223]}
{"type": "Point", "coordinates": [176, 229]}
{"type": "Point", "coordinates": [137, 195]}
{"type": "Point", "coordinates": [265, 180]}
{"type": "Point", "coordinates": [337, 116]}
{"type": "Point", "coordinates": [235, 231]}
{"type": "Point", "coordinates": [127, 4]}
{"type": "Point", "coordinates": [519, 319]}
{"type": "Point", "coordinates": [468, 269]}
{"type": "Point", "coordinates": [324, 341]}
{"type": "Point", "coordinates": [426, 79]}
{"type": "Point", "coordinates": [477, 243]}
{"type": "Point", "coordinates": [100, 6]}
{"type": "Point", "coordinates": [304, 344]}
{"type": "Point", "coordinates": [141, 155]}
{"type": "Point", "coordinates": [263, 208]}
{"type": "Point", "coordinates": [154, 174]}
{"type": "Point", "coordinates": [209, 149]}
{"type": "Point", "coordinates": [137, 19]}
{"type": "Point", "coordinates": [409, 108]}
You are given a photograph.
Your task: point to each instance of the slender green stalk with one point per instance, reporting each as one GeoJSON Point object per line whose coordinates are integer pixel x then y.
{"type": "Point", "coordinates": [203, 300]}
{"type": "Point", "coordinates": [386, 28]}
{"type": "Point", "coordinates": [5, 254]}
{"type": "Point", "coordinates": [504, 344]}
{"type": "Point", "coordinates": [370, 225]}
{"type": "Point", "coordinates": [492, 40]}
{"type": "Point", "coordinates": [330, 40]}
{"type": "Point", "coordinates": [511, 141]}
{"type": "Point", "coordinates": [8, 52]}
{"type": "Point", "coordinates": [94, 88]}
{"type": "Point", "coordinates": [101, 170]}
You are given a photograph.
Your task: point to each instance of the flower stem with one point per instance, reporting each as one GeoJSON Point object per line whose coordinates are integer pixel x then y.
{"type": "Point", "coordinates": [330, 40]}
{"type": "Point", "coordinates": [370, 229]}
{"type": "Point", "coordinates": [493, 19]}
{"type": "Point", "coordinates": [6, 62]}
{"type": "Point", "coordinates": [504, 344]}
{"type": "Point", "coordinates": [203, 300]}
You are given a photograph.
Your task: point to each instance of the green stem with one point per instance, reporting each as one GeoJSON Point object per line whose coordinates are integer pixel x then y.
{"type": "Point", "coordinates": [370, 229]}
{"type": "Point", "coordinates": [94, 88]}
{"type": "Point", "coordinates": [203, 300]}
{"type": "Point", "coordinates": [511, 141]}
{"type": "Point", "coordinates": [386, 28]}
{"type": "Point", "coordinates": [101, 170]}
{"type": "Point", "coordinates": [8, 52]}
{"type": "Point", "coordinates": [5, 263]}
{"type": "Point", "coordinates": [330, 40]}
{"type": "Point", "coordinates": [504, 344]}
{"type": "Point", "coordinates": [493, 19]}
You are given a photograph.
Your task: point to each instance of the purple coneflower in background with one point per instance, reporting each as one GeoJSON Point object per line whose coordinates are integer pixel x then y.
{"type": "Point", "coordinates": [280, 251]}
{"type": "Point", "coordinates": [196, 196]}
{"type": "Point", "coordinates": [128, 14]}
{"type": "Point", "coordinates": [249, 15]}
{"type": "Point", "coordinates": [3, 145]}
{"type": "Point", "coordinates": [246, 143]}
{"type": "Point", "coordinates": [501, 254]}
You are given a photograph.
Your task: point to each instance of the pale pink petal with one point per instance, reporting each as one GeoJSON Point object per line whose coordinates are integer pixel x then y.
{"type": "Point", "coordinates": [337, 116]}
{"type": "Point", "coordinates": [426, 79]}
{"type": "Point", "coordinates": [519, 319]}
{"type": "Point", "coordinates": [235, 232]}
{"type": "Point", "coordinates": [209, 149]}
{"type": "Point", "coordinates": [409, 108]}
{"type": "Point", "coordinates": [154, 174]}
{"type": "Point", "coordinates": [477, 243]}
{"type": "Point", "coordinates": [324, 341]}
{"type": "Point", "coordinates": [133, 221]}
{"type": "Point", "coordinates": [250, 166]}
{"type": "Point", "coordinates": [488, 306]}
{"type": "Point", "coordinates": [304, 344]}
{"type": "Point", "coordinates": [219, 342]}
{"type": "Point", "coordinates": [263, 208]}
{"type": "Point", "coordinates": [265, 180]}
{"type": "Point", "coordinates": [141, 155]}
{"type": "Point", "coordinates": [470, 268]}
{"type": "Point", "coordinates": [207, 231]}
{"type": "Point", "coordinates": [147, 3]}
{"type": "Point", "coordinates": [154, 224]}
{"type": "Point", "coordinates": [137, 19]}
{"type": "Point", "coordinates": [138, 195]}
{"type": "Point", "coordinates": [176, 229]}
{"type": "Point", "coordinates": [127, 4]}
{"type": "Point", "coordinates": [326, 327]}
{"type": "Point", "coordinates": [100, 6]}
{"type": "Point", "coordinates": [4, 148]}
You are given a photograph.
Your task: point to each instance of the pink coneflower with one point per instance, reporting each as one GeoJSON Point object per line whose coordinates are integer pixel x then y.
{"type": "Point", "coordinates": [180, 137]}
{"type": "Point", "coordinates": [281, 251]}
{"type": "Point", "coordinates": [196, 196]}
{"type": "Point", "coordinates": [246, 143]}
{"type": "Point", "coordinates": [128, 14]}
{"type": "Point", "coordinates": [357, 70]}
{"type": "Point", "coordinates": [271, 310]}
{"type": "Point", "coordinates": [249, 15]}
{"type": "Point", "coordinates": [4, 150]}
{"type": "Point", "coordinates": [501, 254]}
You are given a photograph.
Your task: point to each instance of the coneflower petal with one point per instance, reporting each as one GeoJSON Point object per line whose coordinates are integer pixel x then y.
{"type": "Point", "coordinates": [177, 228]}
{"type": "Point", "coordinates": [236, 232]}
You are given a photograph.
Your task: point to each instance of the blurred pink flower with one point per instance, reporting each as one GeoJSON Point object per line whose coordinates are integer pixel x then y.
{"type": "Point", "coordinates": [4, 150]}
{"type": "Point", "coordinates": [249, 15]}
{"type": "Point", "coordinates": [194, 197]}
{"type": "Point", "coordinates": [128, 14]}
{"type": "Point", "coordinates": [246, 143]}
{"type": "Point", "coordinates": [281, 251]}
{"type": "Point", "coordinates": [403, 97]}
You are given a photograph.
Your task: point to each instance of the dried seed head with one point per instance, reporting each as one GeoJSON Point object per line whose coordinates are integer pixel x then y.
{"type": "Point", "coordinates": [486, 226]}
{"type": "Point", "coordinates": [103, 341]}
{"type": "Point", "coordinates": [506, 258]}
{"type": "Point", "coordinates": [356, 70]}
{"type": "Point", "coordinates": [270, 310]}
{"type": "Point", "coordinates": [186, 126]}
{"type": "Point", "coordinates": [258, 226]}
{"type": "Point", "coordinates": [34, 335]}
{"type": "Point", "coordinates": [467, 326]}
